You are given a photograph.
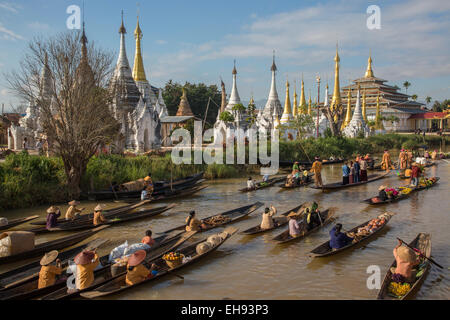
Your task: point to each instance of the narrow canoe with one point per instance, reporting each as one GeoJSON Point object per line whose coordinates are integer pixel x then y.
{"type": "Point", "coordinates": [233, 215]}
{"type": "Point", "coordinates": [57, 244]}
{"type": "Point", "coordinates": [325, 250]}
{"type": "Point", "coordinates": [339, 185]}
{"type": "Point", "coordinates": [30, 271]}
{"type": "Point", "coordinates": [59, 290]}
{"type": "Point", "coordinates": [307, 163]}
{"type": "Point", "coordinates": [16, 222]}
{"type": "Point", "coordinates": [419, 187]}
{"type": "Point", "coordinates": [283, 186]}
{"type": "Point", "coordinates": [69, 226]}
{"type": "Point", "coordinates": [278, 222]}
{"type": "Point", "coordinates": [90, 216]}
{"type": "Point", "coordinates": [423, 243]}
{"type": "Point", "coordinates": [269, 183]}
{"type": "Point", "coordinates": [158, 187]}
{"type": "Point", "coordinates": [174, 194]}
{"type": "Point", "coordinates": [285, 237]}
{"type": "Point", "coordinates": [118, 284]}
{"type": "Point", "coordinates": [401, 196]}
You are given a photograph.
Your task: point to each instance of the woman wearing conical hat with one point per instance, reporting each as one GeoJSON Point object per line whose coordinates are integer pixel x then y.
{"type": "Point", "coordinates": [49, 271]}
{"type": "Point", "coordinates": [136, 271]}
{"type": "Point", "coordinates": [73, 211]}
{"type": "Point", "coordinates": [86, 262]}
{"type": "Point", "coordinates": [53, 213]}
{"type": "Point", "coordinates": [405, 259]}
{"type": "Point", "coordinates": [98, 216]}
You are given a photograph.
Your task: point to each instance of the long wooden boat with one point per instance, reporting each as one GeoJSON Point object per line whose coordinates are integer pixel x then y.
{"type": "Point", "coordinates": [278, 221]}
{"type": "Point", "coordinates": [269, 183]}
{"type": "Point", "coordinates": [159, 186]}
{"type": "Point", "coordinates": [175, 194]}
{"type": "Point", "coordinates": [325, 250]}
{"type": "Point", "coordinates": [400, 197]}
{"type": "Point", "coordinates": [30, 271]}
{"type": "Point", "coordinates": [339, 185]}
{"type": "Point", "coordinates": [308, 163]}
{"type": "Point", "coordinates": [327, 216]}
{"type": "Point", "coordinates": [59, 290]}
{"type": "Point", "coordinates": [423, 243]}
{"type": "Point", "coordinates": [233, 215]}
{"type": "Point", "coordinates": [118, 284]}
{"type": "Point", "coordinates": [125, 217]}
{"type": "Point", "coordinates": [90, 216]}
{"type": "Point", "coordinates": [57, 244]}
{"type": "Point", "coordinates": [419, 187]}
{"type": "Point", "coordinates": [16, 222]}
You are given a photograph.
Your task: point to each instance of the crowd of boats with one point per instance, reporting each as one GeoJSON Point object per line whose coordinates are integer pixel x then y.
{"type": "Point", "coordinates": [110, 276]}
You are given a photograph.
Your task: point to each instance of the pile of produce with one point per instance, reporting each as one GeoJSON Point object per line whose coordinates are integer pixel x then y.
{"type": "Point", "coordinates": [405, 190]}
{"type": "Point", "coordinates": [120, 262]}
{"type": "Point", "coordinates": [217, 220]}
{"type": "Point", "coordinates": [399, 289]}
{"type": "Point", "coordinates": [173, 256]}
{"type": "Point", "coordinates": [391, 192]}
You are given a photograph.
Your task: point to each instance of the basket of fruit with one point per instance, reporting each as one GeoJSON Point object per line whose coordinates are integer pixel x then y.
{"type": "Point", "coordinates": [173, 259]}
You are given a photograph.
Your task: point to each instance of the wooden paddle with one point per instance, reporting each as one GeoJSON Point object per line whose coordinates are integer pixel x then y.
{"type": "Point", "coordinates": [421, 254]}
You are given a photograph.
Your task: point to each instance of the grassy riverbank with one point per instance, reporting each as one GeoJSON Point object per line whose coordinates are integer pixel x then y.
{"type": "Point", "coordinates": [27, 181]}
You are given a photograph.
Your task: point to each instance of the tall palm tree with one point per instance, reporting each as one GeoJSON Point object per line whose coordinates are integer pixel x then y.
{"type": "Point", "coordinates": [406, 84]}
{"type": "Point", "coordinates": [428, 99]}
{"type": "Point", "coordinates": [414, 97]}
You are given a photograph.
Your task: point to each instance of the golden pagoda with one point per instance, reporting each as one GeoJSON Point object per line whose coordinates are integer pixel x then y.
{"type": "Point", "coordinates": [336, 100]}
{"type": "Point", "coordinates": [348, 115]}
{"type": "Point", "coordinates": [287, 113]}
{"type": "Point", "coordinates": [364, 107]}
{"type": "Point", "coordinates": [295, 109]}
{"type": "Point", "coordinates": [302, 103]}
{"type": "Point", "coordinates": [378, 122]}
{"type": "Point", "coordinates": [138, 68]}
{"type": "Point", "coordinates": [184, 109]}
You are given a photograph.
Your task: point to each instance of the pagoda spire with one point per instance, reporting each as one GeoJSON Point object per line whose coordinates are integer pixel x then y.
{"type": "Point", "coordinates": [273, 87]}
{"type": "Point", "coordinates": [122, 61]}
{"type": "Point", "coordinates": [138, 68]}
{"type": "Point", "coordinates": [336, 100]}
{"type": "Point", "coordinates": [287, 113]}
{"type": "Point", "coordinates": [84, 41]}
{"type": "Point", "coordinates": [302, 103]}
{"type": "Point", "coordinates": [295, 109]}
{"type": "Point", "coordinates": [364, 106]}
{"type": "Point", "coordinates": [348, 115]}
{"type": "Point", "coordinates": [184, 109]}
{"type": "Point", "coordinates": [234, 97]}
{"type": "Point", "coordinates": [369, 72]}
{"type": "Point", "coordinates": [325, 102]}
{"type": "Point", "coordinates": [378, 122]}
{"type": "Point", "coordinates": [309, 104]}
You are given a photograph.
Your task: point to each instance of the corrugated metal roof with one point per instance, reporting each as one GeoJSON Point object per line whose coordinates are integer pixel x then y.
{"type": "Point", "coordinates": [175, 119]}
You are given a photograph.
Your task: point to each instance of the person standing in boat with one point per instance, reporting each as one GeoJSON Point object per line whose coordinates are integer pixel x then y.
{"type": "Point", "coordinates": [363, 167]}
{"type": "Point", "coordinates": [149, 185]}
{"type": "Point", "coordinates": [405, 259]}
{"type": "Point", "coordinates": [311, 217]}
{"type": "Point", "coordinates": [48, 273]}
{"type": "Point", "coordinates": [356, 176]}
{"type": "Point", "coordinates": [409, 158]}
{"type": "Point", "coordinates": [73, 212]}
{"type": "Point", "coordinates": [267, 218]}
{"type": "Point", "coordinates": [317, 169]}
{"type": "Point", "coordinates": [251, 185]}
{"type": "Point", "coordinates": [415, 172]}
{"type": "Point", "coordinates": [352, 173]}
{"type": "Point", "coordinates": [338, 239]}
{"type": "Point", "coordinates": [345, 174]}
{"type": "Point", "coordinates": [386, 161]}
{"type": "Point", "coordinates": [86, 262]}
{"type": "Point", "coordinates": [98, 215]}
{"type": "Point", "coordinates": [53, 213]}
{"type": "Point", "coordinates": [136, 271]}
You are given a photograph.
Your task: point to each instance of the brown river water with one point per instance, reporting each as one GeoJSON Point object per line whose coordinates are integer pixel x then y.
{"type": "Point", "coordinates": [253, 267]}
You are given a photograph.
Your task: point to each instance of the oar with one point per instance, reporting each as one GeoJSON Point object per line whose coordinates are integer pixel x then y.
{"type": "Point", "coordinates": [418, 251]}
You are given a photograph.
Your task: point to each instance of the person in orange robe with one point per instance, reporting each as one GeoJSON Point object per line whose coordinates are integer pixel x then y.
{"type": "Point", "coordinates": [48, 273]}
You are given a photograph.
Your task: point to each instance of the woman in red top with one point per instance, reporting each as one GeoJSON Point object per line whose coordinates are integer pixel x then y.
{"type": "Point", "coordinates": [415, 171]}
{"type": "Point", "coordinates": [148, 238]}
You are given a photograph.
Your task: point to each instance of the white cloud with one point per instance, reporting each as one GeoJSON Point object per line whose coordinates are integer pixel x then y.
{"type": "Point", "coordinates": [9, 34]}
{"type": "Point", "coordinates": [11, 7]}
{"type": "Point", "coordinates": [38, 26]}
{"type": "Point", "coordinates": [161, 42]}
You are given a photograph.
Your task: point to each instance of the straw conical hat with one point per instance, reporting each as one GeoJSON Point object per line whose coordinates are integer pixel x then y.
{"type": "Point", "coordinates": [74, 203]}
{"type": "Point", "coordinates": [406, 255]}
{"type": "Point", "coordinates": [49, 257]}
{"type": "Point", "coordinates": [136, 258]}
{"type": "Point", "coordinates": [52, 209]}
{"type": "Point", "coordinates": [84, 257]}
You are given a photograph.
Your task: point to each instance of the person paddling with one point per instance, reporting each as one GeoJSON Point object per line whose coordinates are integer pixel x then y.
{"type": "Point", "coordinates": [405, 259]}
{"type": "Point", "coordinates": [267, 218]}
{"type": "Point", "coordinates": [136, 271]}
{"type": "Point", "coordinates": [53, 213]}
{"type": "Point", "coordinates": [73, 212]}
{"type": "Point", "coordinates": [338, 239]}
{"type": "Point", "coordinates": [48, 273]}
{"type": "Point", "coordinates": [86, 262]}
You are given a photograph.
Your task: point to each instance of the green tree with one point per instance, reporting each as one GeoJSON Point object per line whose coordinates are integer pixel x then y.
{"type": "Point", "coordinates": [440, 106]}
{"type": "Point", "coordinates": [428, 100]}
{"type": "Point", "coordinates": [198, 96]}
{"type": "Point", "coordinates": [302, 124]}
{"type": "Point", "coordinates": [239, 107]}
{"type": "Point", "coordinates": [226, 116]}
{"type": "Point", "coordinates": [414, 97]}
{"type": "Point", "coordinates": [251, 110]}
{"type": "Point", "coordinates": [406, 85]}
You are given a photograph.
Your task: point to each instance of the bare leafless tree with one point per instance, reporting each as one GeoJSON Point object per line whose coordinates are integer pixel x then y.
{"type": "Point", "coordinates": [73, 99]}
{"type": "Point", "coordinates": [335, 118]}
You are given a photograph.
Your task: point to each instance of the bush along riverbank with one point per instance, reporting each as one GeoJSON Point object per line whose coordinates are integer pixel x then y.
{"type": "Point", "coordinates": [27, 181]}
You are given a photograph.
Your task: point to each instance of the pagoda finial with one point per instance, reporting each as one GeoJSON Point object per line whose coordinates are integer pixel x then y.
{"type": "Point", "coordinates": [302, 103]}
{"type": "Point", "coordinates": [369, 72]}
{"type": "Point", "coordinates": [234, 68]}
{"type": "Point", "coordinates": [336, 100]}
{"type": "Point", "coordinates": [83, 40]}
{"type": "Point", "coordinates": [274, 66]}
{"type": "Point", "coordinates": [138, 68]}
{"type": "Point", "coordinates": [309, 103]}
{"type": "Point", "coordinates": [287, 113]}
{"type": "Point", "coordinates": [348, 115]}
{"type": "Point", "coordinates": [294, 103]}
{"type": "Point", "coordinates": [122, 29]}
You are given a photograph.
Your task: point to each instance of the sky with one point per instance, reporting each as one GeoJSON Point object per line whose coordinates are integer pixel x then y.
{"type": "Point", "coordinates": [197, 41]}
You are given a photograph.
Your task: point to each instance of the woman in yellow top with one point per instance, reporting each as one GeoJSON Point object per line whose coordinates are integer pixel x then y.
{"type": "Point", "coordinates": [193, 224]}
{"type": "Point", "coordinates": [98, 216]}
{"type": "Point", "coordinates": [149, 185]}
{"type": "Point", "coordinates": [73, 211]}
{"type": "Point", "coordinates": [48, 273]}
{"type": "Point", "coordinates": [136, 271]}
{"type": "Point", "coordinates": [317, 169]}
{"type": "Point", "coordinates": [86, 262]}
